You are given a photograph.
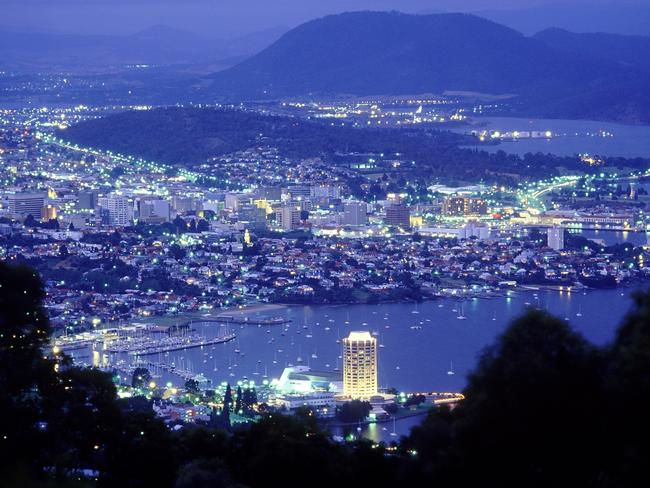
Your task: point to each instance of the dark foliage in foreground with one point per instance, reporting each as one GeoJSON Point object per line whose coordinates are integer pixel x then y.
{"type": "Point", "coordinates": [543, 408]}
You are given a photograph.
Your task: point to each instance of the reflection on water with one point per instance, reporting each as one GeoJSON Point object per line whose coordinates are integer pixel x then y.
{"type": "Point", "coordinates": [573, 137]}
{"type": "Point", "coordinates": [381, 431]}
{"type": "Point", "coordinates": [615, 237]}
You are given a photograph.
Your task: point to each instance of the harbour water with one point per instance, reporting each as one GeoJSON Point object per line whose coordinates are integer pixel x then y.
{"type": "Point", "coordinates": [418, 341]}
{"type": "Point", "coordinates": [570, 136]}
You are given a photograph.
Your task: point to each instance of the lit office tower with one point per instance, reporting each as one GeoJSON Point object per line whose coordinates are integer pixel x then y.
{"type": "Point", "coordinates": [555, 237]}
{"type": "Point", "coordinates": [398, 215]}
{"type": "Point", "coordinates": [115, 210]}
{"type": "Point", "coordinates": [287, 217]}
{"type": "Point", "coordinates": [462, 206]}
{"type": "Point", "coordinates": [26, 203]}
{"type": "Point", "coordinates": [355, 213]}
{"type": "Point", "coordinates": [360, 365]}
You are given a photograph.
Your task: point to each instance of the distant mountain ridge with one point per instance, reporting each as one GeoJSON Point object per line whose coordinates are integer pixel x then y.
{"type": "Point", "coordinates": [626, 51]}
{"type": "Point", "coordinates": [158, 44]}
{"type": "Point", "coordinates": [390, 53]}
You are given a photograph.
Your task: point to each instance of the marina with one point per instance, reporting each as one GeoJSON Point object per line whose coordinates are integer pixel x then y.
{"type": "Point", "coordinates": [423, 346]}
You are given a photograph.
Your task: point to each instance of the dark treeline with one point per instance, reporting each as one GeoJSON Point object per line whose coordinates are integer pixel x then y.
{"type": "Point", "coordinates": [543, 408]}
{"type": "Point", "coordinates": [188, 136]}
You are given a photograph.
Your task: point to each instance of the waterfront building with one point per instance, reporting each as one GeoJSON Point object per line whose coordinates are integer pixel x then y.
{"type": "Point", "coordinates": [398, 215]}
{"type": "Point", "coordinates": [555, 237]}
{"type": "Point", "coordinates": [323, 403]}
{"type": "Point", "coordinates": [360, 365]}
{"type": "Point", "coordinates": [302, 379]}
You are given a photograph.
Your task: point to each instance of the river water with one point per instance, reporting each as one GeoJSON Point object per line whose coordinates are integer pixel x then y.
{"type": "Point", "coordinates": [570, 136]}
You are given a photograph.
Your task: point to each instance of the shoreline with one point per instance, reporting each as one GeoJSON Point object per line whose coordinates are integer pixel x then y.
{"type": "Point", "coordinates": [245, 310]}
{"type": "Point", "coordinates": [339, 425]}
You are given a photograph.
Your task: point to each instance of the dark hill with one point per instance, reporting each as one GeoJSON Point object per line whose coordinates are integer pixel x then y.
{"type": "Point", "coordinates": [624, 50]}
{"type": "Point", "coordinates": [393, 53]}
{"type": "Point", "coordinates": [388, 53]}
{"type": "Point", "coordinates": [193, 135]}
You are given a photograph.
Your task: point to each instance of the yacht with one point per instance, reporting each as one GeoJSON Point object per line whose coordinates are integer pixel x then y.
{"type": "Point", "coordinates": [393, 433]}
{"type": "Point", "coordinates": [451, 369]}
{"type": "Point", "coordinates": [461, 314]}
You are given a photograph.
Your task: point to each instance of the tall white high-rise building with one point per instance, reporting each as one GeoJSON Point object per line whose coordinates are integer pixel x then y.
{"type": "Point", "coordinates": [287, 217]}
{"type": "Point", "coordinates": [555, 236]}
{"type": "Point", "coordinates": [115, 210]}
{"type": "Point", "coordinates": [360, 365]}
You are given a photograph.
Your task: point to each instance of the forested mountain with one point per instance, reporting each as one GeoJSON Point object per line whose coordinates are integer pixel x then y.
{"type": "Point", "coordinates": [615, 48]}
{"type": "Point", "coordinates": [381, 52]}
{"type": "Point", "coordinates": [378, 53]}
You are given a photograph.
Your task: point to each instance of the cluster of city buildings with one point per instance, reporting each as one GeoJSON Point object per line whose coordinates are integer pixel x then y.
{"type": "Point", "coordinates": [118, 238]}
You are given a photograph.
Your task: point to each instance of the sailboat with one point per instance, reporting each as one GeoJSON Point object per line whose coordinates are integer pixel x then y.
{"type": "Point", "coordinates": [461, 314]}
{"type": "Point", "coordinates": [494, 317]}
{"type": "Point", "coordinates": [393, 433]}
{"type": "Point", "coordinates": [579, 313]}
{"type": "Point", "coordinates": [451, 369]}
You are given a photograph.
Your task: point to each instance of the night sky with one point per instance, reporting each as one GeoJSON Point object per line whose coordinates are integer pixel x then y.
{"type": "Point", "coordinates": [229, 18]}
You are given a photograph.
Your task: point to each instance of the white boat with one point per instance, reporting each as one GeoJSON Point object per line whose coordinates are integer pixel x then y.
{"type": "Point", "coordinates": [451, 369]}
{"type": "Point", "coordinates": [461, 315]}
{"type": "Point", "coordinates": [393, 433]}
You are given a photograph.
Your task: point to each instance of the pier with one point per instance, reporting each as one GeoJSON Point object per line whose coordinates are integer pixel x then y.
{"type": "Point", "coordinates": [241, 320]}
{"type": "Point", "coordinates": [146, 346]}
